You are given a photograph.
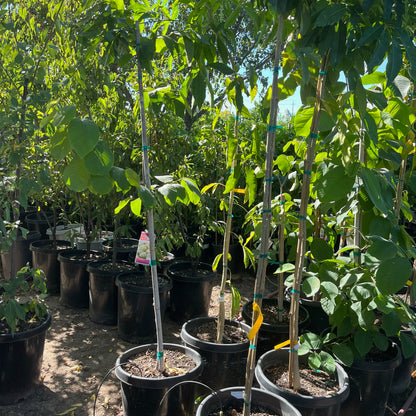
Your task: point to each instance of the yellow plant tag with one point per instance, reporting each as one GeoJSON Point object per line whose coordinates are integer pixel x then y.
{"type": "Point", "coordinates": [409, 283]}
{"type": "Point", "coordinates": [255, 328]}
{"type": "Point", "coordinates": [283, 344]}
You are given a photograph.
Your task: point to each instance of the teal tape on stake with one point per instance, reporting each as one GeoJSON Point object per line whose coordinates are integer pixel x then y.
{"type": "Point", "coordinates": [267, 211]}
{"type": "Point", "coordinates": [294, 291]}
{"type": "Point", "coordinates": [276, 69]}
{"type": "Point", "coordinates": [301, 217]}
{"type": "Point", "coordinates": [258, 296]}
{"type": "Point", "coordinates": [145, 148]}
{"type": "Point", "coordinates": [253, 347]}
{"type": "Point", "coordinates": [159, 354]}
{"type": "Point", "coordinates": [313, 135]}
{"type": "Point", "coordinates": [322, 73]}
{"type": "Point", "coordinates": [152, 263]}
{"type": "Point", "coordinates": [263, 256]}
{"type": "Point", "coordinates": [294, 351]}
{"type": "Point", "coordinates": [307, 172]}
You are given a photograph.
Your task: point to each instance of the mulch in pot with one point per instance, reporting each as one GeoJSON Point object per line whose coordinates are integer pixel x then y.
{"type": "Point", "coordinates": [313, 383]}
{"type": "Point", "coordinates": [145, 365]}
{"type": "Point", "coordinates": [208, 332]}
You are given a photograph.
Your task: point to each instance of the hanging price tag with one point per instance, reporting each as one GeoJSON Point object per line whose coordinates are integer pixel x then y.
{"type": "Point", "coordinates": [143, 250]}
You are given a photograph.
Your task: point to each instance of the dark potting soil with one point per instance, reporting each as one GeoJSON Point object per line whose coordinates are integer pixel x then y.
{"type": "Point", "coordinates": [31, 321]}
{"type": "Point", "coordinates": [122, 267]}
{"type": "Point", "coordinates": [313, 383]}
{"type": "Point", "coordinates": [208, 332]}
{"type": "Point", "coordinates": [144, 364]}
{"type": "Point", "coordinates": [233, 412]}
{"type": "Point", "coordinates": [144, 280]}
{"type": "Point", "coordinates": [195, 272]}
{"type": "Point", "coordinates": [377, 356]}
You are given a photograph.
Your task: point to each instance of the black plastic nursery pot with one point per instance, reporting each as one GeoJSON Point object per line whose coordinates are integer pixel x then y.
{"type": "Point", "coordinates": [20, 362]}
{"type": "Point", "coordinates": [45, 258]}
{"type": "Point", "coordinates": [18, 255]}
{"type": "Point", "coordinates": [370, 385]}
{"type": "Point", "coordinates": [232, 398]}
{"type": "Point", "coordinates": [307, 405]}
{"type": "Point", "coordinates": [103, 291]}
{"type": "Point", "coordinates": [143, 396]}
{"type": "Point", "coordinates": [126, 248]}
{"type": "Point", "coordinates": [224, 364]}
{"type": "Point", "coordinates": [74, 277]}
{"type": "Point", "coordinates": [237, 260]}
{"type": "Point", "coordinates": [191, 292]}
{"type": "Point", "coordinates": [136, 318]}
{"type": "Point", "coordinates": [272, 333]}
{"type": "Point", "coordinates": [403, 372]}
{"type": "Point", "coordinates": [39, 221]}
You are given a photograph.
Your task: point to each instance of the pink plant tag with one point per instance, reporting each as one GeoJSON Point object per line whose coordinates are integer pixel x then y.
{"type": "Point", "coordinates": [143, 250]}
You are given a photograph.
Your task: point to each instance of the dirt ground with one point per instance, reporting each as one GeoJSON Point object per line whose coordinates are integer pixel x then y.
{"type": "Point", "coordinates": [80, 354]}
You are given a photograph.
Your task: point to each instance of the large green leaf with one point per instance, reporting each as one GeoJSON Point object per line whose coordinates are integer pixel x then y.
{"type": "Point", "coordinates": [334, 185]}
{"type": "Point", "coordinates": [391, 324]}
{"type": "Point", "coordinates": [60, 146]}
{"type": "Point", "coordinates": [363, 341]}
{"type": "Point", "coordinates": [392, 275]}
{"type": "Point", "coordinates": [100, 160]}
{"type": "Point", "coordinates": [343, 353]}
{"type": "Point", "coordinates": [83, 136]}
{"type": "Point", "coordinates": [100, 184]}
{"type": "Point", "coordinates": [119, 176]}
{"type": "Point", "coordinates": [76, 176]}
{"type": "Point", "coordinates": [221, 67]}
{"type": "Point", "coordinates": [172, 192]}
{"type": "Point", "coordinates": [146, 53]}
{"type": "Point", "coordinates": [132, 177]}
{"type": "Point", "coordinates": [321, 250]}
{"type": "Point", "coordinates": [379, 52]}
{"type": "Point", "coordinates": [64, 115]}
{"type": "Point", "coordinates": [146, 196]}
{"type": "Point", "coordinates": [382, 248]}
{"type": "Point", "coordinates": [375, 190]}
{"type": "Point", "coordinates": [193, 192]}
{"type": "Point", "coordinates": [407, 344]}
{"type": "Point", "coordinates": [311, 285]}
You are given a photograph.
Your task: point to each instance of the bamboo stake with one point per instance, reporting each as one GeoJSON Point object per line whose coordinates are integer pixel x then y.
{"type": "Point", "coordinates": [150, 222]}
{"type": "Point", "coordinates": [280, 307]}
{"type": "Point", "coordinates": [225, 250]}
{"type": "Point", "coordinates": [294, 377]}
{"type": "Point", "coordinates": [266, 218]}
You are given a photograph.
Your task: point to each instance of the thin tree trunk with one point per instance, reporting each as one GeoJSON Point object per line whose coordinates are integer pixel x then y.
{"type": "Point", "coordinates": [266, 218]}
{"type": "Point", "coordinates": [294, 377]}
{"type": "Point", "coordinates": [150, 222]}
{"type": "Point", "coordinates": [225, 251]}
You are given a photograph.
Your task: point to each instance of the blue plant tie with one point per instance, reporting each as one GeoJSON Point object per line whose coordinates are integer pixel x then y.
{"type": "Point", "coordinates": [314, 135]}
{"type": "Point", "coordinates": [258, 296]}
{"type": "Point", "coordinates": [267, 211]}
{"type": "Point", "coordinates": [230, 215]}
{"type": "Point", "coordinates": [253, 347]}
{"type": "Point", "coordinates": [224, 266]}
{"type": "Point", "coordinates": [145, 148]}
{"type": "Point", "coordinates": [293, 351]}
{"type": "Point", "coordinates": [231, 170]}
{"type": "Point", "coordinates": [276, 262]}
{"type": "Point", "coordinates": [307, 172]}
{"type": "Point", "coordinates": [159, 355]}
{"type": "Point", "coordinates": [263, 256]}
{"type": "Point", "coordinates": [280, 310]}
{"type": "Point", "coordinates": [152, 263]}
{"type": "Point", "coordinates": [322, 73]}
{"type": "Point", "coordinates": [137, 45]}
{"type": "Point", "coordinates": [294, 291]}
{"type": "Point", "coordinates": [301, 217]}
{"type": "Point", "coordinates": [276, 69]}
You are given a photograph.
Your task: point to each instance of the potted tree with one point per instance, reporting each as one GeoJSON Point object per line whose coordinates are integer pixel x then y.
{"type": "Point", "coordinates": [24, 320]}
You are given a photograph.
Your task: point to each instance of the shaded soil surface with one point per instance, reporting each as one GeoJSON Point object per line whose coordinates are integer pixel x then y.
{"type": "Point", "coordinates": [79, 353]}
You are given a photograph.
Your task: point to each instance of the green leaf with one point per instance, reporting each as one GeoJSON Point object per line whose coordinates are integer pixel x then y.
{"type": "Point", "coordinates": [311, 285]}
{"type": "Point", "coordinates": [64, 115]}
{"type": "Point", "coordinates": [407, 345]}
{"type": "Point", "coordinates": [343, 353]}
{"type": "Point", "coordinates": [314, 360]}
{"type": "Point", "coordinates": [303, 121]}
{"type": "Point", "coordinates": [198, 88]}
{"type": "Point", "coordinates": [380, 341]}
{"type": "Point", "coordinates": [75, 176]}
{"type": "Point", "coordinates": [283, 163]}
{"type": "Point", "coordinates": [363, 342]}
{"type": "Point", "coordinates": [373, 186]}
{"type": "Point", "coordinates": [148, 200]}
{"type": "Point", "coordinates": [312, 341]}
{"type": "Point", "coordinates": [100, 160]}
{"type": "Point", "coordinates": [117, 5]}
{"type": "Point", "coordinates": [321, 250]}
{"type": "Point", "coordinates": [221, 67]}
{"type": "Point", "coordinates": [60, 146]}
{"type": "Point", "coordinates": [100, 184]}
{"type": "Point", "coordinates": [379, 52]}
{"type": "Point", "coordinates": [285, 268]}
{"type": "Point", "coordinates": [121, 205]}
{"type": "Point", "coordinates": [329, 290]}
{"type": "Point", "coordinates": [381, 248]}
{"type": "Point", "coordinates": [391, 324]}
{"type": "Point", "coordinates": [146, 53]}
{"type": "Point", "coordinates": [119, 176]}
{"type": "Point", "coordinates": [194, 194]}
{"type": "Point", "coordinates": [328, 363]}
{"type": "Point", "coordinates": [216, 261]}
{"type": "Point", "coordinates": [392, 275]}
{"type": "Point", "coordinates": [334, 185]}
{"type": "Point", "coordinates": [83, 136]}
{"type": "Point", "coordinates": [136, 206]}
{"type": "Point", "coordinates": [173, 192]}
{"type": "Point", "coordinates": [330, 15]}
{"type": "Point", "coordinates": [132, 177]}
{"type": "Point", "coordinates": [394, 61]}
